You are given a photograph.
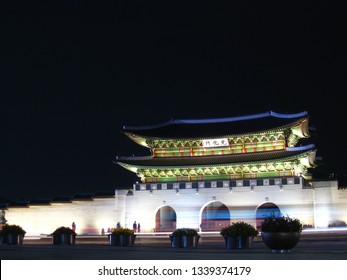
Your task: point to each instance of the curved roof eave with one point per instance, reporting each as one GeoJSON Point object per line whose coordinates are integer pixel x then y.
{"type": "Point", "coordinates": [306, 151]}
{"type": "Point", "coordinates": [208, 128]}
{"type": "Point", "coordinates": [130, 167]}
{"type": "Point", "coordinates": [219, 120]}
{"type": "Point", "coordinates": [140, 139]}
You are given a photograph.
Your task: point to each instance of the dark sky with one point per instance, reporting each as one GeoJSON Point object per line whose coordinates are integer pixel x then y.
{"type": "Point", "coordinates": [72, 74]}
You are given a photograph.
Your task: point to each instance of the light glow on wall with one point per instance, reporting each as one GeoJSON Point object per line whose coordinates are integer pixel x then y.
{"type": "Point", "coordinates": [315, 208]}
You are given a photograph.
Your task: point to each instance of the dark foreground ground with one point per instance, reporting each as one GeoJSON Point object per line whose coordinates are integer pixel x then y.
{"type": "Point", "coordinates": [326, 245]}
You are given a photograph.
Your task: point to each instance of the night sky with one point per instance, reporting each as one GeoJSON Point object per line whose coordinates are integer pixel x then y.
{"type": "Point", "coordinates": [72, 74]}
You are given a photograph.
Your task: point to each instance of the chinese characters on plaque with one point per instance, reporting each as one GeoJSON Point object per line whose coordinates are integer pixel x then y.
{"type": "Point", "coordinates": [212, 143]}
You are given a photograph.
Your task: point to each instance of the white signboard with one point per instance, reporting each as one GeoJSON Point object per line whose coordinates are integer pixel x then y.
{"type": "Point", "coordinates": [212, 143]}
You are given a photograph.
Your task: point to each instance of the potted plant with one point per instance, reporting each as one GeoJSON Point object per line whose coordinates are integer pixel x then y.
{"type": "Point", "coordinates": [12, 234]}
{"type": "Point", "coordinates": [239, 235]}
{"type": "Point", "coordinates": [64, 235]}
{"type": "Point", "coordinates": [184, 238]}
{"type": "Point", "coordinates": [122, 237]}
{"type": "Point", "coordinates": [281, 233]}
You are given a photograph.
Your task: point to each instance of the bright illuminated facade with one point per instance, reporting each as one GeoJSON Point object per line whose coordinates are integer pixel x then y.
{"type": "Point", "coordinates": [205, 174]}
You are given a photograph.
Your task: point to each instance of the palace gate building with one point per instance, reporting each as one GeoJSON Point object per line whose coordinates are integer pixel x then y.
{"type": "Point", "coordinates": [204, 174]}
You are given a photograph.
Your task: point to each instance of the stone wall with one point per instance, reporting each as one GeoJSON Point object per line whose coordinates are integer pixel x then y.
{"type": "Point", "coordinates": [318, 206]}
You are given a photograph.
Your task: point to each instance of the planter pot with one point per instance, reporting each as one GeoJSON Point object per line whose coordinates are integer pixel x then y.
{"type": "Point", "coordinates": [184, 241]}
{"type": "Point", "coordinates": [249, 242]}
{"type": "Point", "coordinates": [63, 239]}
{"type": "Point", "coordinates": [281, 241]}
{"type": "Point", "coordinates": [13, 239]}
{"type": "Point", "coordinates": [121, 240]}
{"type": "Point", "coordinates": [238, 242]}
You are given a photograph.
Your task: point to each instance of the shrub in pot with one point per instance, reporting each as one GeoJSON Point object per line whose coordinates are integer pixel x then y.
{"type": "Point", "coordinates": [239, 235]}
{"type": "Point", "coordinates": [12, 234]}
{"type": "Point", "coordinates": [64, 235]}
{"type": "Point", "coordinates": [184, 238]}
{"type": "Point", "coordinates": [281, 233]}
{"type": "Point", "coordinates": [122, 237]}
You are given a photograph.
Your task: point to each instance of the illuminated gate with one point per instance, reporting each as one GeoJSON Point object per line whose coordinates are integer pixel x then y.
{"type": "Point", "coordinates": [265, 210]}
{"type": "Point", "coordinates": [165, 219]}
{"type": "Point", "coordinates": [215, 216]}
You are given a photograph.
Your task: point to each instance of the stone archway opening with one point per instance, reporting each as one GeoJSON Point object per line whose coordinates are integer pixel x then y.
{"type": "Point", "coordinates": [215, 216]}
{"type": "Point", "coordinates": [265, 210]}
{"type": "Point", "coordinates": [165, 219]}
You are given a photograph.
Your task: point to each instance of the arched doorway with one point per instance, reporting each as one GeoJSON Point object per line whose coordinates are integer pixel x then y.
{"type": "Point", "coordinates": [265, 210]}
{"type": "Point", "coordinates": [215, 216]}
{"type": "Point", "coordinates": [165, 219]}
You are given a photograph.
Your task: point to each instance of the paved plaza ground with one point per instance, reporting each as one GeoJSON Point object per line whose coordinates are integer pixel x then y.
{"type": "Point", "coordinates": [313, 245]}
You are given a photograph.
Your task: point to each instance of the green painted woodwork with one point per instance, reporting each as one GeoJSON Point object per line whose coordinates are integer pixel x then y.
{"type": "Point", "coordinates": [215, 177]}
{"type": "Point", "coordinates": [290, 135]}
{"type": "Point", "coordinates": [294, 167]}
{"type": "Point", "coordinates": [172, 152]}
{"type": "Point", "coordinates": [276, 139]}
{"type": "Point", "coordinates": [236, 144]}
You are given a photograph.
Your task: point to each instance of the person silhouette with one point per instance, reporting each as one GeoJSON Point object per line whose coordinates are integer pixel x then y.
{"type": "Point", "coordinates": [134, 226]}
{"type": "Point", "coordinates": [73, 226]}
{"type": "Point", "coordinates": [138, 227]}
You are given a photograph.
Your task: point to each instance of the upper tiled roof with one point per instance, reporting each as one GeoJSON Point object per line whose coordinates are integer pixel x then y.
{"type": "Point", "coordinates": [206, 128]}
{"type": "Point", "coordinates": [149, 161]}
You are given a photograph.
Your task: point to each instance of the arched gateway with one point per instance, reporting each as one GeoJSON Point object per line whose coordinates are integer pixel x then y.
{"type": "Point", "coordinates": [215, 216]}
{"type": "Point", "coordinates": [265, 210]}
{"type": "Point", "coordinates": [165, 219]}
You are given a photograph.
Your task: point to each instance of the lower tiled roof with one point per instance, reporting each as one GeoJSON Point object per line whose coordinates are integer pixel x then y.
{"type": "Point", "coordinates": [216, 159]}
